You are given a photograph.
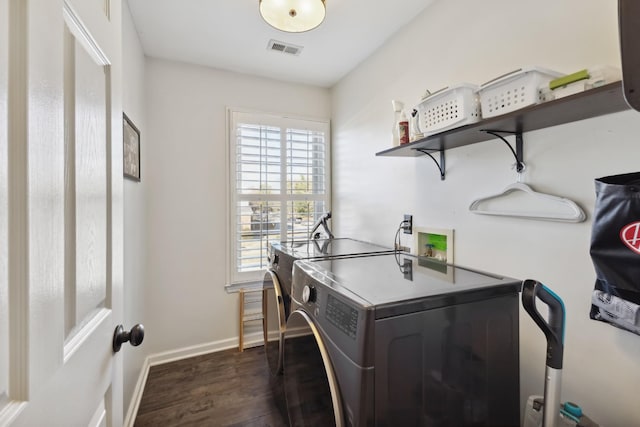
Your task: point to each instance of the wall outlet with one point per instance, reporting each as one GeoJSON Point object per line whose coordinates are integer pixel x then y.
{"type": "Point", "coordinates": [407, 269]}
{"type": "Point", "coordinates": [407, 227]}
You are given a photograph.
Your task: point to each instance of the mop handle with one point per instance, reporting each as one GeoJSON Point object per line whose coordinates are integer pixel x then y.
{"type": "Point", "coordinates": [553, 329]}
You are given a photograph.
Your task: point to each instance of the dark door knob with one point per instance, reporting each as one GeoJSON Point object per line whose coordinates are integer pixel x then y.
{"type": "Point", "coordinates": [120, 336]}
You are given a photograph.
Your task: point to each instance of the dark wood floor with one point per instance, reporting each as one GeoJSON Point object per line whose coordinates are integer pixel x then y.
{"type": "Point", "coordinates": [226, 388]}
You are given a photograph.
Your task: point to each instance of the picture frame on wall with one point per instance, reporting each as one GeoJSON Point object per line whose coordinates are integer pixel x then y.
{"type": "Point", "coordinates": [131, 149]}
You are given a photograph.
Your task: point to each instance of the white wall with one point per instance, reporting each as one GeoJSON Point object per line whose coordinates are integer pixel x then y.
{"type": "Point", "coordinates": [185, 171]}
{"type": "Point", "coordinates": [462, 40]}
{"type": "Point", "coordinates": [135, 211]}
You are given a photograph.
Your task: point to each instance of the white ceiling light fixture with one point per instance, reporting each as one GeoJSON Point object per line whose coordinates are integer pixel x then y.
{"type": "Point", "coordinates": [293, 16]}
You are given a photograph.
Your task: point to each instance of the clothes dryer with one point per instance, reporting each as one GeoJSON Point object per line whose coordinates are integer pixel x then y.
{"type": "Point", "coordinates": [397, 340]}
{"type": "Point", "coordinates": [277, 283]}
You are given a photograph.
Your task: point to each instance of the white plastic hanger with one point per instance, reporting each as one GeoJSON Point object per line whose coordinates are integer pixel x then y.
{"type": "Point", "coordinates": [573, 214]}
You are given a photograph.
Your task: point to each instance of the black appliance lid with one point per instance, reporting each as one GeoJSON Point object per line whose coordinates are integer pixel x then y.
{"type": "Point", "coordinates": [322, 248]}
{"type": "Point", "coordinates": [393, 279]}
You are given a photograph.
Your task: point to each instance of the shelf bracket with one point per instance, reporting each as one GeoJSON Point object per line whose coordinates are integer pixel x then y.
{"type": "Point", "coordinates": [518, 153]}
{"type": "Point", "coordinates": [441, 165]}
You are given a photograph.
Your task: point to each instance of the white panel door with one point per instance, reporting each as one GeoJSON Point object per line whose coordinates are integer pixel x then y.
{"type": "Point", "coordinates": [60, 212]}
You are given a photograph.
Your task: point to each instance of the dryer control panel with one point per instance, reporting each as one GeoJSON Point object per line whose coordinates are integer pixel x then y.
{"type": "Point", "coordinates": [337, 313]}
{"type": "Point", "coordinates": [342, 316]}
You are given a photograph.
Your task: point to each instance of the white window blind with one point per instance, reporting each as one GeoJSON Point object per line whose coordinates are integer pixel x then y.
{"type": "Point", "coordinates": [279, 185]}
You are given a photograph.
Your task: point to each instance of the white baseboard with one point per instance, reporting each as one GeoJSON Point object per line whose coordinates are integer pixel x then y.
{"type": "Point", "coordinates": [254, 339]}
{"type": "Point", "coordinates": [130, 418]}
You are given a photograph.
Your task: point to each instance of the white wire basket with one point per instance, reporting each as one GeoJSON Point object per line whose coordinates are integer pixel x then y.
{"type": "Point", "coordinates": [514, 90]}
{"type": "Point", "coordinates": [448, 108]}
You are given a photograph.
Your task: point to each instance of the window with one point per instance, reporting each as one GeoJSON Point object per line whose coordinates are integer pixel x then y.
{"type": "Point", "coordinates": [279, 185]}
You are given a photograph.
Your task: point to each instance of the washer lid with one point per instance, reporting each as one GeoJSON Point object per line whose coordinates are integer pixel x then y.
{"type": "Point", "coordinates": [394, 280]}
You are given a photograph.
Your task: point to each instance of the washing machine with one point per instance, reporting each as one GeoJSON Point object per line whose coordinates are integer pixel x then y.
{"type": "Point", "coordinates": [395, 340]}
{"type": "Point", "coordinates": [277, 283]}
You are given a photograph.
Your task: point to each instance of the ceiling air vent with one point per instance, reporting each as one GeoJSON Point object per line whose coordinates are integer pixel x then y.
{"type": "Point", "coordinates": [283, 47]}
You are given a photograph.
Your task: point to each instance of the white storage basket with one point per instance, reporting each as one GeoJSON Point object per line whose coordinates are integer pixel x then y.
{"type": "Point", "coordinates": [514, 90]}
{"type": "Point", "coordinates": [448, 108]}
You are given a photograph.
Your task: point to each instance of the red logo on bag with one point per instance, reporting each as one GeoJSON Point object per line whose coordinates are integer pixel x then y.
{"type": "Point", "coordinates": [630, 235]}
